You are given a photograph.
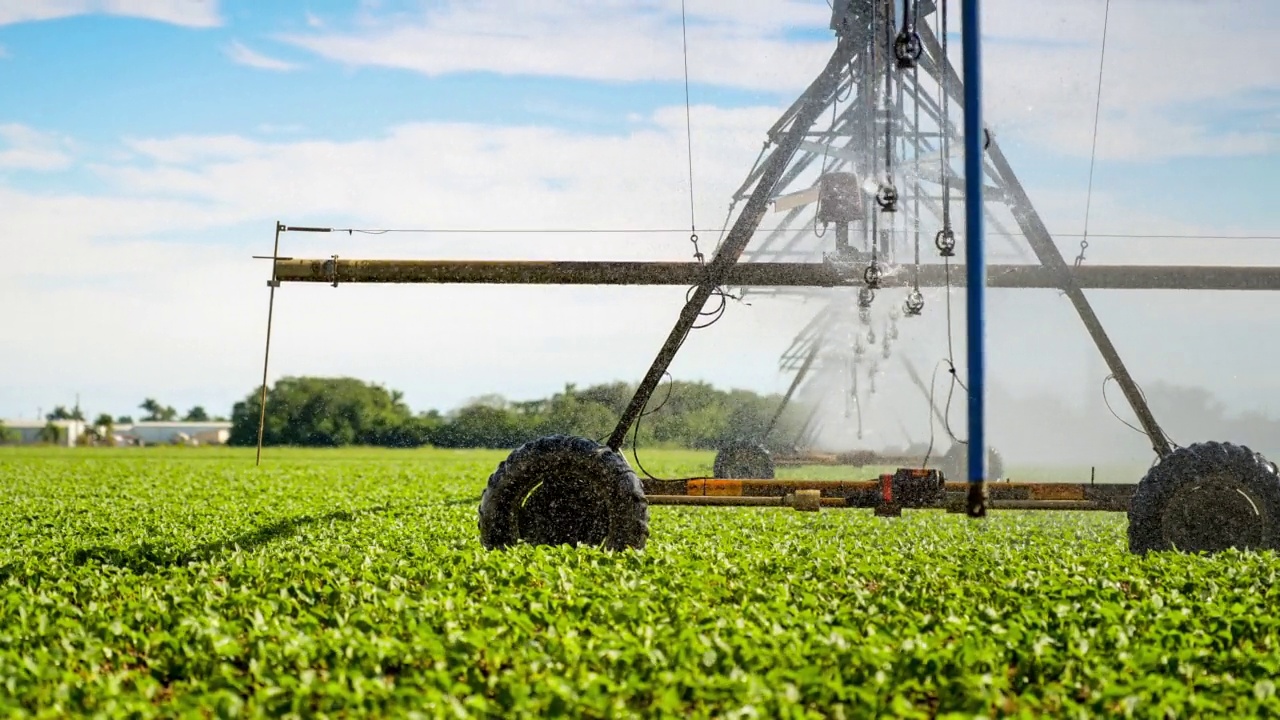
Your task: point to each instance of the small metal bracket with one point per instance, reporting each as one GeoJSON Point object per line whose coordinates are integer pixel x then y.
{"type": "Point", "coordinates": [331, 270]}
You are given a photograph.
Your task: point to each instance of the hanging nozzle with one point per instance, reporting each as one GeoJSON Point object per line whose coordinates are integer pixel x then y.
{"type": "Point", "coordinates": [873, 274]}
{"type": "Point", "coordinates": [887, 197]}
{"type": "Point", "coordinates": [915, 303]}
{"type": "Point", "coordinates": [907, 47]}
{"type": "Point", "coordinates": [865, 297]}
{"type": "Point", "coordinates": [945, 242]}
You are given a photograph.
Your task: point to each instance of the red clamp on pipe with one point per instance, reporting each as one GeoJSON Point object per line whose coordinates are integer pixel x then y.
{"type": "Point", "coordinates": [886, 488]}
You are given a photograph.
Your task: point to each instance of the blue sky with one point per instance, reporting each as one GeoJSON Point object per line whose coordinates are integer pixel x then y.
{"type": "Point", "coordinates": [147, 148]}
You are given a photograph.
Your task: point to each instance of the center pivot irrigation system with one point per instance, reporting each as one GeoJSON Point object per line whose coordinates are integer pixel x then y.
{"type": "Point", "coordinates": [881, 176]}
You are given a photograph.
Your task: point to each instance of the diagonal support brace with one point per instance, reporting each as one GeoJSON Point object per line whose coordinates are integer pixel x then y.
{"type": "Point", "coordinates": [812, 103]}
{"type": "Point", "coordinates": [1050, 257]}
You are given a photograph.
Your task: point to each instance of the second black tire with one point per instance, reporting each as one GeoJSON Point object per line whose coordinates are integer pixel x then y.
{"type": "Point", "coordinates": [744, 459]}
{"type": "Point", "coordinates": [955, 463]}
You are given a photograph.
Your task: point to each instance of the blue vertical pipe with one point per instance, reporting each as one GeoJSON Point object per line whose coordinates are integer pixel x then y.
{"type": "Point", "coordinates": [975, 264]}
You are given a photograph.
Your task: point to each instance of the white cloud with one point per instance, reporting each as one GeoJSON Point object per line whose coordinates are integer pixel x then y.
{"type": "Point", "coordinates": [1166, 87]}
{"type": "Point", "coordinates": [23, 148]}
{"type": "Point", "coordinates": [187, 13]}
{"type": "Point", "coordinates": [131, 252]}
{"type": "Point", "coordinates": [434, 173]}
{"type": "Point", "coordinates": [241, 54]}
{"type": "Point", "coordinates": [149, 280]}
{"type": "Point", "coordinates": [740, 45]}
{"type": "Point", "coordinates": [1041, 64]}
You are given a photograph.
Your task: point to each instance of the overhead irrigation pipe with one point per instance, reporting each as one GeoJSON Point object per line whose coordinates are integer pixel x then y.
{"type": "Point", "coordinates": [336, 271]}
{"type": "Point", "coordinates": [975, 291]}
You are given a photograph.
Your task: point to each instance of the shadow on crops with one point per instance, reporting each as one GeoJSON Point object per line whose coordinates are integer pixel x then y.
{"type": "Point", "coordinates": [148, 558]}
{"type": "Point", "coordinates": [462, 501]}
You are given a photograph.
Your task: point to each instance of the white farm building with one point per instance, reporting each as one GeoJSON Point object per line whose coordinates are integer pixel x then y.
{"type": "Point", "coordinates": [170, 433]}
{"type": "Point", "coordinates": [27, 432]}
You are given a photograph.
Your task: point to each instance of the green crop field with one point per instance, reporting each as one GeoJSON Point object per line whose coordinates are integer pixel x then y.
{"type": "Point", "coordinates": [140, 583]}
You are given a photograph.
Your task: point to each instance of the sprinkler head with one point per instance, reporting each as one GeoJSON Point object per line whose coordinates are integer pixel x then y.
{"type": "Point", "coordinates": [915, 302]}
{"type": "Point", "coordinates": [887, 197]}
{"type": "Point", "coordinates": [873, 274]}
{"type": "Point", "coordinates": [945, 241]}
{"type": "Point", "coordinates": [907, 48]}
{"type": "Point", "coordinates": [865, 297]}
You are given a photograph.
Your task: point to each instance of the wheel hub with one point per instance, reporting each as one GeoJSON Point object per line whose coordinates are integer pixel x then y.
{"type": "Point", "coordinates": [567, 512]}
{"type": "Point", "coordinates": [1214, 514]}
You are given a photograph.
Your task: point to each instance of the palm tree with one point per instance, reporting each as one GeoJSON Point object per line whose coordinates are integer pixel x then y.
{"type": "Point", "coordinates": [103, 427]}
{"type": "Point", "coordinates": [156, 411]}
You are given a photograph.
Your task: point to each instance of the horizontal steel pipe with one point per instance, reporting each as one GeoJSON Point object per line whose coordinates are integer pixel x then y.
{"type": "Point", "coordinates": [740, 500]}
{"type": "Point", "coordinates": [736, 501]}
{"type": "Point", "coordinates": [701, 484]}
{"type": "Point", "coordinates": [761, 274]}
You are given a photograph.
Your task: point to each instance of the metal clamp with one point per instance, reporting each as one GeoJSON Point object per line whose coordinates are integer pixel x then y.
{"type": "Point", "coordinates": [331, 270]}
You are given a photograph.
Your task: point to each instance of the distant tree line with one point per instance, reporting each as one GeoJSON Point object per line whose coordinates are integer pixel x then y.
{"type": "Point", "coordinates": [333, 412]}
{"type": "Point", "coordinates": [103, 425]}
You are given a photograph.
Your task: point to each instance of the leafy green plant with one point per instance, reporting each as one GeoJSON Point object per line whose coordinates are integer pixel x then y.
{"type": "Point", "coordinates": [334, 582]}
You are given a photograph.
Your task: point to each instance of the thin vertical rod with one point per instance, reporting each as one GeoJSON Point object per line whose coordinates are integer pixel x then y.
{"type": "Point", "coordinates": [915, 190]}
{"type": "Point", "coordinates": [266, 354]}
{"type": "Point", "coordinates": [975, 266]}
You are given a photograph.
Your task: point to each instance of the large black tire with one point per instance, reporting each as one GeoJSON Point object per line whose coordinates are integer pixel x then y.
{"type": "Point", "coordinates": [1206, 498]}
{"type": "Point", "coordinates": [564, 490]}
{"type": "Point", "coordinates": [743, 459]}
{"type": "Point", "coordinates": [955, 463]}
